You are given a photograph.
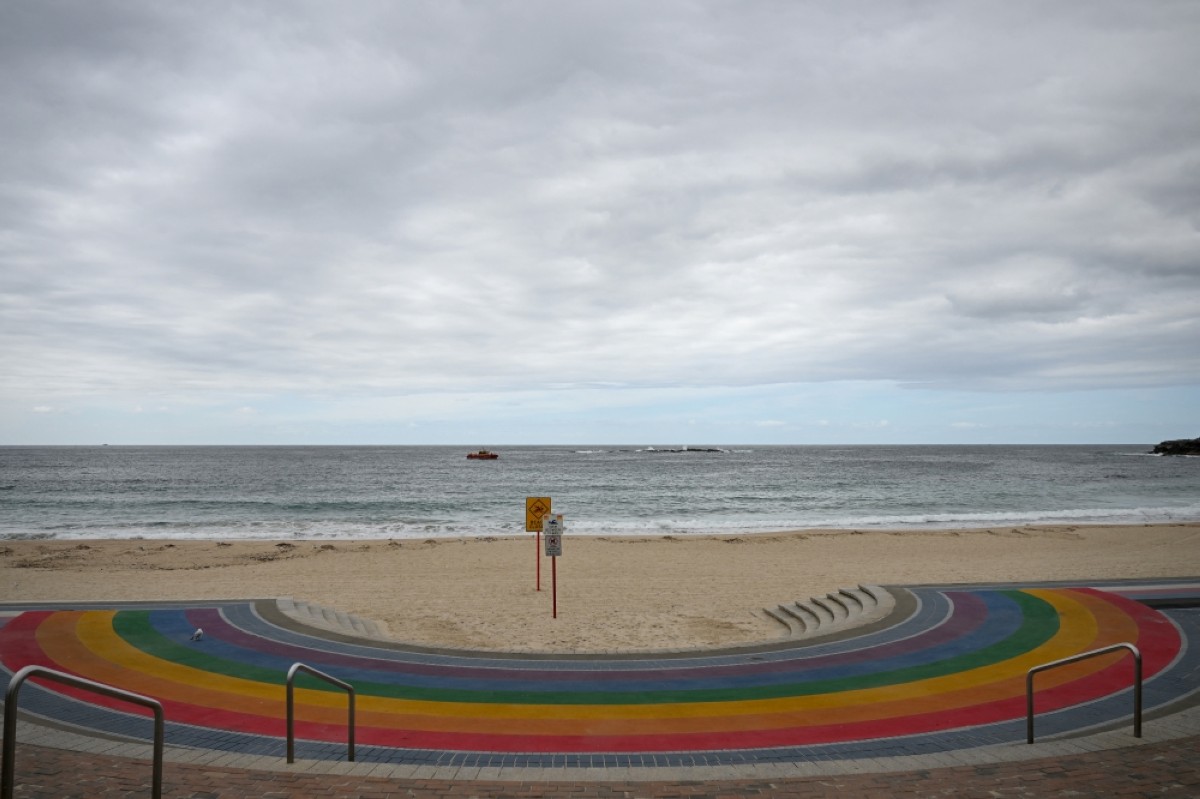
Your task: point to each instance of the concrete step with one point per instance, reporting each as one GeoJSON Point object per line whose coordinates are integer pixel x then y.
{"type": "Point", "coordinates": [792, 627]}
{"type": "Point", "coordinates": [325, 618]}
{"type": "Point", "coordinates": [834, 612]}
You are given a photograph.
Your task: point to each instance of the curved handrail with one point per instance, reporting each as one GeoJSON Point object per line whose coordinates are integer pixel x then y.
{"type": "Point", "coordinates": [1137, 684]}
{"type": "Point", "coordinates": [8, 770]}
{"type": "Point", "coordinates": [291, 706]}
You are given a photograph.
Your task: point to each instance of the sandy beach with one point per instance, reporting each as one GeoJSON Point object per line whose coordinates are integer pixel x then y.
{"type": "Point", "coordinates": [613, 593]}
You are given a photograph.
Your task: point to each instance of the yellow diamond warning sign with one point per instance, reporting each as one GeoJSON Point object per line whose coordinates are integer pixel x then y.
{"type": "Point", "coordinates": [535, 509]}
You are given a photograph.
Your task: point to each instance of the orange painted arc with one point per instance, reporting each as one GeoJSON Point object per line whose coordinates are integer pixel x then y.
{"type": "Point", "coordinates": [107, 652]}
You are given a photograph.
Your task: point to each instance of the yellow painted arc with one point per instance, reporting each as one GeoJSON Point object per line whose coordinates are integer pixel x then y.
{"type": "Point", "coordinates": [86, 642]}
{"type": "Point", "coordinates": [96, 629]}
{"type": "Point", "coordinates": [387, 705]}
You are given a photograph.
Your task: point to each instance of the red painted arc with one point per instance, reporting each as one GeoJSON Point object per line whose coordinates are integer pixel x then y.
{"type": "Point", "coordinates": [1158, 637]}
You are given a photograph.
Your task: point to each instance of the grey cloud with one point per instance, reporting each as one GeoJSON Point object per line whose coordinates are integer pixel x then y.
{"type": "Point", "coordinates": [374, 198]}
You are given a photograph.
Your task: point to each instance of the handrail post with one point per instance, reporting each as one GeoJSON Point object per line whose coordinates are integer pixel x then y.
{"type": "Point", "coordinates": [291, 707]}
{"type": "Point", "coordinates": [8, 768]}
{"type": "Point", "coordinates": [1137, 692]}
{"type": "Point", "coordinates": [1137, 684]}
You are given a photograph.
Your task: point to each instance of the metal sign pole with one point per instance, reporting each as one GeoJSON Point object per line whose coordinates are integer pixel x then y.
{"type": "Point", "coordinates": [554, 527]}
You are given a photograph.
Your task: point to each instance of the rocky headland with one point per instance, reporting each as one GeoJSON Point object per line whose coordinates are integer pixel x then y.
{"type": "Point", "coordinates": [1180, 446]}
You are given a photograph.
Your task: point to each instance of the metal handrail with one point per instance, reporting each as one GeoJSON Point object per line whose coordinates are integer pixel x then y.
{"type": "Point", "coordinates": [8, 771]}
{"type": "Point", "coordinates": [291, 707]}
{"type": "Point", "coordinates": [1137, 684]}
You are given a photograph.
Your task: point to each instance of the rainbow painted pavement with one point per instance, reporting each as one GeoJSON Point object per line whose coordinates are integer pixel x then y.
{"type": "Point", "coordinates": [945, 669]}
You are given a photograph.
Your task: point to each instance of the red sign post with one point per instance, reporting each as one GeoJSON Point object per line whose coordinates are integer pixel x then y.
{"type": "Point", "coordinates": [536, 509]}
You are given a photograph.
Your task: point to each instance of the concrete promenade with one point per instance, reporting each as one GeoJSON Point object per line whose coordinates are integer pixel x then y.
{"type": "Point", "coordinates": [961, 652]}
{"type": "Point", "coordinates": [1147, 768]}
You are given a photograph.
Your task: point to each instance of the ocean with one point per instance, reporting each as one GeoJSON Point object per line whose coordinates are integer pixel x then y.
{"type": "Point", "coordinates": [334, 492]}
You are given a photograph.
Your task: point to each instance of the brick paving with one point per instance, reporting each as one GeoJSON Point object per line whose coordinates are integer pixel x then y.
{"type": "Point", "coordinates": [1164, 769]}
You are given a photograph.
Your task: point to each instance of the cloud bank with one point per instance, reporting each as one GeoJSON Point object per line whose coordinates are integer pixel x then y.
{"type": "Point", "coordinates": [356, 202]}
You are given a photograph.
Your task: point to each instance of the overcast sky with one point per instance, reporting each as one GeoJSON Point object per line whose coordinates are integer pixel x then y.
{"type": "Point", "coordinates": [599, 222]}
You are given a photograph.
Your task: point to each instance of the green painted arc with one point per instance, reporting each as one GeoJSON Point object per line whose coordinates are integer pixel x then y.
{"type": "Point", "coordinates": [1039, 624]}
{"type": "Point", "coordinates": [134, 627]}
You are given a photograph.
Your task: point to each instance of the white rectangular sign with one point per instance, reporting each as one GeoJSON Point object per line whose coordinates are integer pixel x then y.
{"type": "Point", "coordinates": [552, 530]}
